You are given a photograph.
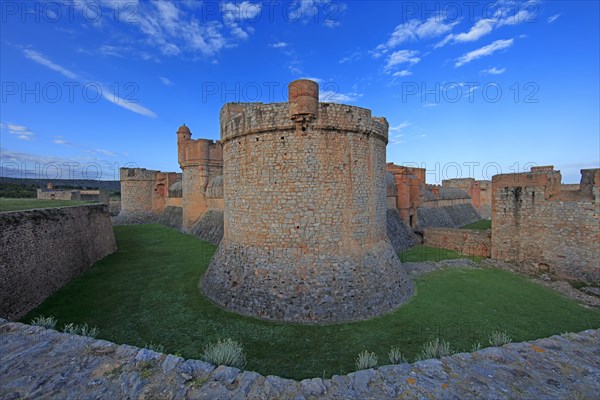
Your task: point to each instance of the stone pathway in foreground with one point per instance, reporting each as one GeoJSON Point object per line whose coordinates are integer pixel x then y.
{"type": "Point", "coordinates": [37, 363]}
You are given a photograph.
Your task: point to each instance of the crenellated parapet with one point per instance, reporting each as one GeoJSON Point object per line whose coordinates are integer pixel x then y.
{"type": "Point", "coordinates": [194, 152]}
{"type": "Point", "coordinates": [302, 109]}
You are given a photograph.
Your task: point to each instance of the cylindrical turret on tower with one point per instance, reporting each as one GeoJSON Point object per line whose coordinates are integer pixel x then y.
{"type": "Point", "coordinates": [303, 97]}
{"type": "Point", "coordinates": [183, 136]}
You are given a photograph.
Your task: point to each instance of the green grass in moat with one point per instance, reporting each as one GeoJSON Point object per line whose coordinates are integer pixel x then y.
{"type": "Point", "coordinates": [421, 253]}
{"type": "Point", "coordinates": [148, 292]}
{"type": "Point", "coordinates": [482, 225]}
{"type": "Point", "coordinates": [28, 204]}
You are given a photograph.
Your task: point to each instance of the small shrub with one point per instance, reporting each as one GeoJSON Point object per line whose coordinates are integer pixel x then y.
{"type": "Point", "coordinates": [569, 335]}
{"type": "Point", "coordinates": [435, 349]}
{"type": "Point", "coordinates": [45, 322]}
{"type": "Point", "coordinates": [159, 348]}
{"type": "Point", "coordinates": [225, 352]}
{"type": "Point", "coordinates": [366, 360]}
{"type": "Point", "coordinates": [396, 356]}
{"type": "Point", "coordinates": [497, 338]}
{"type": "Point", "coordinates": [476, 347]}
{"type": "Point", "coordinates": [85, 330]}
{"type": "Point", "coordinates": [82, 330]}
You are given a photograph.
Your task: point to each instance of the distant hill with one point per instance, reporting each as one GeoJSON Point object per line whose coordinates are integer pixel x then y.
{"type": "Point", "coordinates": [111, 186]}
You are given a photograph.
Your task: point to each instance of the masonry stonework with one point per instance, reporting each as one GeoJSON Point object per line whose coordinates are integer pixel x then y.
{"type": "Point", "coordinates": [304, 213]}
{"type": "Point", "coordinates": [201, 161]}
{"type": "Point", "coordinates": [467, 241]}
{"type": "Point", "coordinates": [546, 229]}
{"type": "Point", "coordinates": [480, 193]}
{"type": "Point", "coordinates": [41, 250]}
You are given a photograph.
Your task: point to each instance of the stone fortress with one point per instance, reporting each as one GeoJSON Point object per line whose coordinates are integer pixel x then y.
{"type": "Point", "coordinates": [305, 213]}
{"type": "Point", "coordinates": [304, 187]}
{"type": "Point", "coordinates": [51, 193]}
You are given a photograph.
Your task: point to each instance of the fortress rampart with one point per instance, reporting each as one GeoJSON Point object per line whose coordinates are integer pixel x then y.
{"type": "Point", "coordinates": [304, 213]}
{"type": "Point", "coordinates": [480, 193]}
{"type": "Point", "coordinates": [145, 191]}
{"type": "Point", "coordinates": [544, 228]}
{"type": "Point", "coordinates": [201, 161]}
{"type": "Point", "coordinates": [43, 249]}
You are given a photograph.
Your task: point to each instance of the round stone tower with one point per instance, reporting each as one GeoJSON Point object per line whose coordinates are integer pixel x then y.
{"type": "Point", "coordinates": [304, 213]}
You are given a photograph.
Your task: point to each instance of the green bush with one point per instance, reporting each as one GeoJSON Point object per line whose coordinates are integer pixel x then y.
{"type": "Point", "coordinates": [46, 322]}
{"type": "Point", "coordinates": [225, 352]}
{"type": "Point", "coordinates": [366, 360]}
{"type": "Point", "coordinates": [435, 349]}
{"type": "Point", "coordinates": [498, 338]}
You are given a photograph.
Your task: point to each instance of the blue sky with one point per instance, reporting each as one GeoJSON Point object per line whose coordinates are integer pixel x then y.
{"type": "Point", "coordinates": [469, 88]}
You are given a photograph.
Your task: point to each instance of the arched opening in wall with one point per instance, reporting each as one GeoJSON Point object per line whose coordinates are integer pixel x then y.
{"type": "Point", "coordinates": [411, 221]}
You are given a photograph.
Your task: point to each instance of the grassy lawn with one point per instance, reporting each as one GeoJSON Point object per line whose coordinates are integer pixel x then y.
{"type": "Point", "coordinates": [147, 292]}
{"type": "Point", "coordinates": [482, 225]}
{"type": "Point", "coordinates": [421, 253]}
{"type": "Point", "coordinates": [28, 204]}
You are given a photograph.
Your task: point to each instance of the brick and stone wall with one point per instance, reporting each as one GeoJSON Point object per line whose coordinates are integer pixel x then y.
{"type": "Point", "coordinates": [304, 213]}
{"type": "Point", "coordinates": [137, 190]}
{"type": "Point", "coordinates": [409, 183]}
{"type": "Point", "coordinates": [545, 229]}
{"type": "Point", "coordinates": [54, 194]}
{"type": "Point", "coordinates": [467, 241]}
{"type": "Point", "coordinates": [480, 193]}
{"type": "Point", "coordinates": [43, 249]}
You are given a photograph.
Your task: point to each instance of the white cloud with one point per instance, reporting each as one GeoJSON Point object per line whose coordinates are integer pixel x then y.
{"type": "Point", "coordinates": [351, 57]}
{"type": "Point", "coordinates": [402, 57]}
{"type": "Point", "coordinates": [553, 18]}
{"type": "Point", "coordinates": [504, 13]}
{"type": "Point", "coordinates": [402, 73]}
{"type": "Point", "coordinates": [480, 29]}
{"type": "Point", "coordinates": [234, 13]}
{"type": "Point", "coordinates": [166, 81]}
{"type": "Point", "coordinates": [61, 141]}
{"type": "Point", "coordinates": [483, 51]}
{"type": "Point", "coordinates": [279, 45]}
{"type": "Point", "coordinates": [311, 78]}
{"type": "Point", "coordinates": [42, 60]}
{"type": "Point", "coordinates": [114, 51]}
{"type": "Point", "coordinates": [105, 152]}
{"type": "Point", "coordinates": [27, 165]}
{"type": "Point", "coordinates": [414, 30]}
{"type": "Point", "coordinates": [330, 96]}
{"type": "Point", "coordinates": [395, 136]}
{"type": "Point", "coordinates": [331, 23]}
{"type": "Point", "coordinates": [400, 126]}
{"type": "Point", "coordinates": [20, 131]}
{"type": "Point", "coordinates": [135, 107]}
{"type": "Point", "coordinates": [493, 71]}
